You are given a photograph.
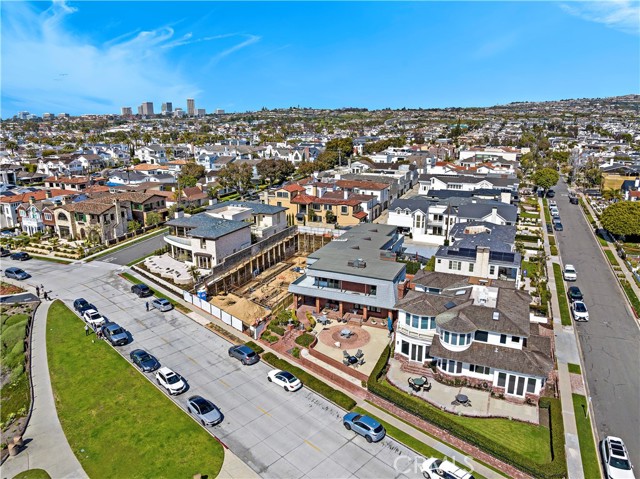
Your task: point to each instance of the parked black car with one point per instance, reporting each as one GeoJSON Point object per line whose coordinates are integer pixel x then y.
{"type": "Point", "coordinates": [144, 360]}
{"type": "Point", "coordinates": [574, 294]}
{"type": "Point", "coordinates": [81, 305]}
{"type": "Point", "coordinates": [4, 252]}
{"type": "Point", "coordinates": [558, 226]}
{"type": "Point", "coordinates": [551, 194]}
{"type": "Point", "coordinates": [573, 200]}
{"type": "Point", "coordinates": [142, 290]}
{"type": "Point", "coordinates": [20, 256]}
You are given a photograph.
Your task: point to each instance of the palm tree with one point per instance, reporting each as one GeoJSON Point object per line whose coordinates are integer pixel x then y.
{"type": "Point", "coordinates": [612, 194]}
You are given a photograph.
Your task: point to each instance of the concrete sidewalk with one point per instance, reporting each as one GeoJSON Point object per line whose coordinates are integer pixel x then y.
{"type": "Point", "coordinates": [46, 445]}
{"type": "Point", "coordinates": [566, 351]}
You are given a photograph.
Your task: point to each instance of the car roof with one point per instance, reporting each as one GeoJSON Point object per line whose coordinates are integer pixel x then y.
{"type": "Point", "coordinates": [161, 300]}
{"type": "Point", "coordinates": [244, 348]}
{"type": "Point", "coordinates": [198, 400]}
{"type": "Point", "coordinates": [617, 447]}
{"type": "Point", "coordinates": [13, 269]}
{"type": "Point", "coordinates": [369, 421]}
{"type": "Point", "coordinates": [139, 352]}
{"type": "Point", "coordinates": [454, 469]}
{"type": "Point", "coordinates": [165, 370]}
{"type": "Point", "coordinates": [569, 266]}
{"type": "Point", "coordinates": [111, 326]}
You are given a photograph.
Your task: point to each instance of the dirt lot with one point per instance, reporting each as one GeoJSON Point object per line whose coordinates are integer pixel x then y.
{"type": "Point", "coordinates": [241, 308]}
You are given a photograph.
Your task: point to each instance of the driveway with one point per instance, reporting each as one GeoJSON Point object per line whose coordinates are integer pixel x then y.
{"type": "Point", "coordinates": [278, 434]}
{"type": "Point", "coordinates": [609, 341]}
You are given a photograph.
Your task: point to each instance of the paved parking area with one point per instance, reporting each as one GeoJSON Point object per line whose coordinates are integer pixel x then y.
{"type": "Point", "coordinates": [278, 434]}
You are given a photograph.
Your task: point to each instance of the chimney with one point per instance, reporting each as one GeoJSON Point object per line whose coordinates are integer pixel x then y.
{"type": "Point", "coordinates": [494, 214]}
{"type": "Point", "coordinates": [346, 194]}
{"type": "Point", "coordinates": [179, 214]}
{"type": "Point", "coordinates": [402, 289]}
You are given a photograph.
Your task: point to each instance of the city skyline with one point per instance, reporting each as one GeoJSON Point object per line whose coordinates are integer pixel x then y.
{"type": "Point", "coordinates": [373, 55]}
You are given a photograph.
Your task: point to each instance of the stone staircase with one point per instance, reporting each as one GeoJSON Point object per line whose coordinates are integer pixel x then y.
{"type": "Point", "coordinates": [413, 367]}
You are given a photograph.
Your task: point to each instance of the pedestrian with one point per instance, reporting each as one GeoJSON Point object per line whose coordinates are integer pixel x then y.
{"type": "Point", "coordinates": [86, 330]}
{"type": "Point", "coordinates": [147, 305]}
{"type": "Point", "coordinates": [46, 296]}
{"type": "Point", "coordinates": [38, 291]}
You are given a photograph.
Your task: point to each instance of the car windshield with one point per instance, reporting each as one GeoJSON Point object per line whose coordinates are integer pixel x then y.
{"type": "Point", "coordinates": [205, 407]}
{"type": "Point", "coordinates": [144, 357]}
{"type": "Point", "coordinates": [378, 429]}
{"type": "Point", "coordinates": [94, 315]}
{"type": "Point", "coordinates": [173, 378]}
{"type": "Point", "coordinates": [288, 376]}
{"type": "Point", "coordinates": [143, 287]}
{"type": "Point", "coordinates": [581, 308]}
{"type": "Point", "coordinates": [619, 463]}
{"type": "Point", "coordinates": [117, 331]}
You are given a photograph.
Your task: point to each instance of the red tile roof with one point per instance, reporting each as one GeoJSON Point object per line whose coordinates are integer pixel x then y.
{"type": "Point", "coordinates": [360, 215]}
{"type": "Point", "coordinates": [39, 195]}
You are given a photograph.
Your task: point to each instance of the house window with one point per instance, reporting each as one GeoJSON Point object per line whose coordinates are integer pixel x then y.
{"type": "Point", "coordinates": [418, 222]}
{"type": "Point", "coordinates": [471, 265]}
{"type": "Point", "coordinates": [531, 385]}
{"type": "Point", "coordinates": [48, 216]}
{"type": "Point", "coordinates": [404, 348]}
{"type": "Point", "coordinates": [316, 207]}
{"type": "Point", "coordinates": [446, 337]}
{"type": "Point", "coordinates": [482, 336]}
{"type": "Point", "coordinates": [373, 290]}
{"type": "Point", "coordinates": [427, 322]}
{"type": "Point", "coordinates": [203, 243]}
{"type": "Point", "coordinates": [282, 194]}
{"type": "Point", "coordinates": [502, 380]}
{"type": "Point", "coordinates": [455, 265]}
{"type": "Point", "coordinates": [515, 339]}
{"type": "Point", "coordinates": [503, 339]}
{"type": "Point", "coordinates": [407, 319]}
{"type": "Point", "coordinates": [344, 210]}
{"type": "Point", "coordinates": [492, 270]}
{"type": "Point", "coordinates": [483, 370]}
{"type": "Point", "coordinates": [415, 321]}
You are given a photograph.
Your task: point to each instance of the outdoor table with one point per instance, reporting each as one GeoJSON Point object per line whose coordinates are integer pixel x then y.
{"type": "Point", "coordinates": [462, 398]}
{"type": "Point", "coordinates": [419, 382]}
{"type": "Point", "coordinates": [352, 360]}
{"type": "Point", "coordinates": [345, 333]}
{"type": "Point", "coordinates": [323, 319]}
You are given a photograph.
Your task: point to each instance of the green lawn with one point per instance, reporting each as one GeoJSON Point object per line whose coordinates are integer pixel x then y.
{"type": "Point", "coordinates": [52, 259]}
{"type": "Point", "coordinates": [611, 257]}
{"type": "Point", "coordinates": [547, 214]}
{"type": "Point", "coordinates": [526, 439]}
{"type": "Point", "coordinates": [532, 268]}
{"type": "Point", "coordinates": [33, 474]}
{"type": "Point", "coordinates": [565, 314]}
{"type": "Point", "coordinates": [585, 436]}
{"type": "Point", "coordinates": [15, 392]}
{"type": "Point", "coordinates": [156, 293]}
{"type": "Point", "coordinates": [117, 423]}
{"type": "Point", "coordinates": [574, 368]}
{"type": "Point", "coordinates": [526, 214]}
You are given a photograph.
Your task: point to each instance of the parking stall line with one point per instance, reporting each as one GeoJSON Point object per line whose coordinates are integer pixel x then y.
{"type": "Point", "coordinates": [309, 443]}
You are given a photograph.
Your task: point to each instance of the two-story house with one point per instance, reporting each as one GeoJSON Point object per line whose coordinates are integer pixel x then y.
{"type": "Point", "coordinates": [355, 273]}
{"type": "Point", "coordinates": [203, 240]}
{"type": "Point", "coordinates": [265, 220]}
{"type": "Point", "coordinates": [482, 250]}
{"type": "Point", "coordinates": [100, 219]}
{"type": "Point", "coordinates": [477, 332]}
{"type": "Point", "coordinates": [36, 216]}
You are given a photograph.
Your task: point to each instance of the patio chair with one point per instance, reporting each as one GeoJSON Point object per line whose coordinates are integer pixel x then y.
{"type": "Point", "coordinates": [413, 385]}
{"type": "Point", "coordinates": [359, 354]}
{"type": "Point", "coordinates": [345, 353]}
{"type": "Point", "coordinates": [345, 361]}
{"type": "Point", "coordinates": [361, 362]}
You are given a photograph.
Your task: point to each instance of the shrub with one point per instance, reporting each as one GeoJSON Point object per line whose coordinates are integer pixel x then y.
{"type": "Point", "coordinates": [305, 339]}
{"type": "Point", "coordinates": [276, 329]}
{"type": "Point", "coordinates": [322, 388]}
{"type": "Point", "coordinates": [553, 249]}
{"type": "Point", "coordinates": [295, 352]}
{"type": "Point", "coordinates": [556, 469]}
{"type": "Point", "coordinates": [270, 338]}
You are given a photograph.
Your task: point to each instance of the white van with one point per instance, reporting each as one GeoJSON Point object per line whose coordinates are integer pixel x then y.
{"type": "Point", "coordinates": [434, 468]}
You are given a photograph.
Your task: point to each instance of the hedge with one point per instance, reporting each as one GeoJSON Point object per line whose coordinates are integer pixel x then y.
{"type": "Point", "coordinates": [276, 329]}
{"type": "Point", "coordinates": [555, 469]}
{"type": "Point", "coordinates": [322, 388]}
{"type": "Point", "coordinates": [529, 238]}
{"type": "Point", "coordinates": [256, 347]}
{"type": "Point", "coordinates": [633, 299]}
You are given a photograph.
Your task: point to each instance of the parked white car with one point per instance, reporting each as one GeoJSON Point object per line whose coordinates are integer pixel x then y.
{"type": "Point", "coordinates": [284, 379]}
{"type": "Point", "coordinates": [93, 318]}
{"type": "Point", "coordinates": [579, 310]}
{"type": "Point", "coordinates": [434, 468]}
{"type": "Point", "coordinates": [569, 273]}
{"type": "Point", "coordinates": [615, 459]}
{"type": "Point", "coordinates": [170, 380]}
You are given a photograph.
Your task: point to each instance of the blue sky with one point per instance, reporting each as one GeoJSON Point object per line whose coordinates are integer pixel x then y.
{"type": "Point", "coordinates": [94, 57]}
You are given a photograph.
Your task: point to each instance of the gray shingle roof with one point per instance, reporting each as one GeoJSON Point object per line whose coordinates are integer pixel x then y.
{"type": "Point", "coordinates": [481, 209]}
{"type": "Point", "coordinates": [412, 204]}
{"type": "Point", "coordinates": [205, 226]}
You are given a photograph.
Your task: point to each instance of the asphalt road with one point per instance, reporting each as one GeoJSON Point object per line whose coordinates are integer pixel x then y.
{"type": "Point", "coordinates": [278, 434]}
{"type": "Point", "coordinates": [610, 341]}
{"type": "Point", "coordinates": [127, 255]}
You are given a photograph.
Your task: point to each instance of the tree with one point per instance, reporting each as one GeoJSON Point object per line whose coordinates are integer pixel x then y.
{"type": "Point", "coordinates": [153, 218]}
{"type": "Point", "coordinates": [622, 219]}
{"type": "Point", "coordinates": [612, 194]}
{"type": "Point", "coordinates": [545, 178]}
{"type": "Point", "coordinates": [195, 273]}
{"type": "Point", "coordinates": [330, 217]}
{"type": "Point", "coordinates": [12, 146]}
{"type": "Point", "coordinates": [190, 174]}
{"type": "Point", "coordinates": [133, 226]}
{"type": "Point", "coordinates": [236, 177]}
{"type": "Point", "coordinates": [31, 167]}
{"type": "Point", "coordinates": [275, 171]}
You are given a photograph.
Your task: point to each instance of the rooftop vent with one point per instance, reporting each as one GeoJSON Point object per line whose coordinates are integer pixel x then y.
{"type": "Point", "coordinates": [355, 247]}
{"type": "Point", "coordinates": [496, 315]}
{"type": "Point", "coordinates": [461, 292]}
{"type": "Point", "coordinates": [374, 230]}
{"type": "Point", "coordinates": [367, 238]}
{"type": "Point", "coordinates": [357, 263]}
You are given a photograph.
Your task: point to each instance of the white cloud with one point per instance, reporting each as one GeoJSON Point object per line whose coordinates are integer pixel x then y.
{"type": "Point", "coordinates": [623, 15]}
{"type": "Point", "coordinates": [495, 46]}
{"type": "Point", "coordinates": [46, 67]}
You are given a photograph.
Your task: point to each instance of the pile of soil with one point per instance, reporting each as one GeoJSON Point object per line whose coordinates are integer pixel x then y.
{"type": "Point", "coordinates": [241, 308]}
